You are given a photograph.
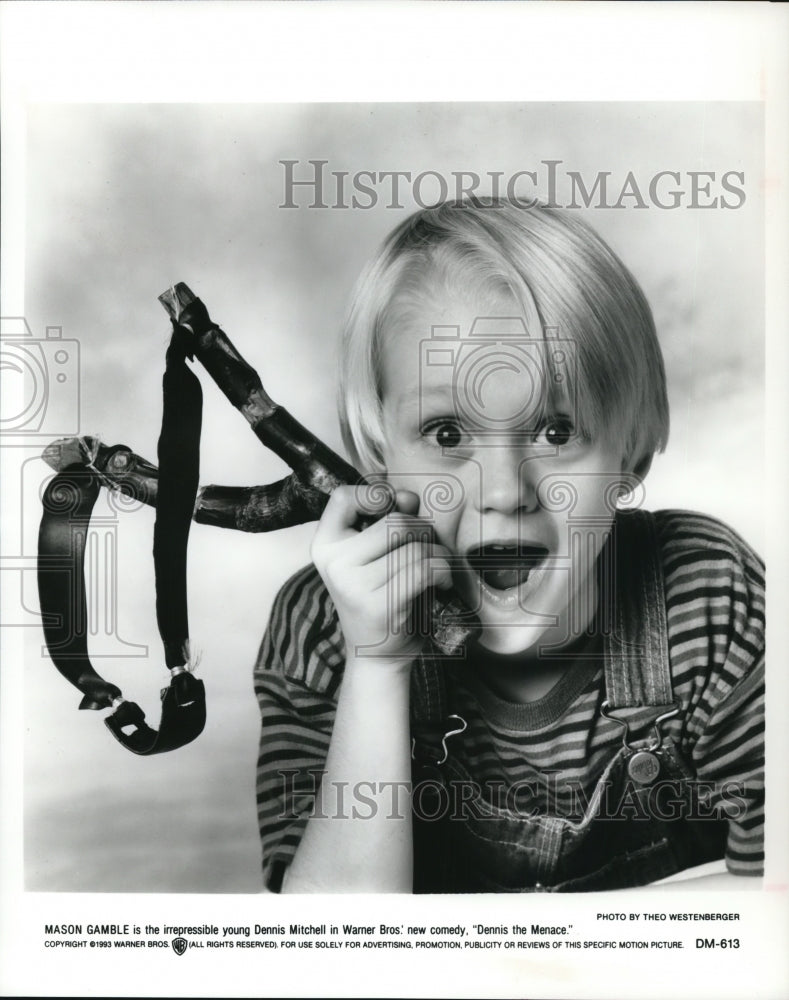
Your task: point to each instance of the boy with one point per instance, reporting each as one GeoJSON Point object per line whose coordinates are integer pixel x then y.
{"type": "Point", "coordinates": [603, 727]}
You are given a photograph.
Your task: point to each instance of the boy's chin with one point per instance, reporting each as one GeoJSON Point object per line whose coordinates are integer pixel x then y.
{"type": "Point", "coordinates": [519, 619]}
{"type": "Point", "coordinates": [532, 616]}
{"type": "Point", "coordinates": [512, 640]}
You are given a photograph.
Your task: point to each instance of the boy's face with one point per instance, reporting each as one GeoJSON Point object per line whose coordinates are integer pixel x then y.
{"type": "Point", "coordinates": [521, 500]}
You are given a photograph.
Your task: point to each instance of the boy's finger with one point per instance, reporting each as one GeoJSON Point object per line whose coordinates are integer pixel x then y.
{"type": "Point", "coordinates": [407, 501]}
{"type": "Point", "coordinates": [390, 533]}
{"type": "Point", "coordinates": [374, 499]}
{"type": "Point", "coordinates": [378, 498]}
{"type": "Point", "coordinates": [342, 513]}
{"type": "Point", "coordinates": [427, 563]}
{"type": "Point", "coordinates": [415, 575]}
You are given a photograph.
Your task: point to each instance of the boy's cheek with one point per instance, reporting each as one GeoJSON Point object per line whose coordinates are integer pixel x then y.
{"type": "Point", "coordinates": [581, 493]}
{"type": "Point", "coordinates": [445, 527]}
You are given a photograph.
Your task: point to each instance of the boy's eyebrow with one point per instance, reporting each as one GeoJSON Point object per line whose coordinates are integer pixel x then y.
{"type": "Point", "coordinates": [420, 393]}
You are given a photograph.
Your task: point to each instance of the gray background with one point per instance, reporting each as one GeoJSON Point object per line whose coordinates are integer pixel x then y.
{"type": "Point", "coordinates": [123, 200]}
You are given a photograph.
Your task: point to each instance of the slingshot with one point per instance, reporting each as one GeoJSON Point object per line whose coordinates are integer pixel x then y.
{"type": "Point", "coordinates": [83, 465]}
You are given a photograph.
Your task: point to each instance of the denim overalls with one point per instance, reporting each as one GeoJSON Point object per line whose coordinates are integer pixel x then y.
{"type": "Point", "coordinates": [627, 836]}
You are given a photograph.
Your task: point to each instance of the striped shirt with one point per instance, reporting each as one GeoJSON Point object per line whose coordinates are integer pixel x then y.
{"type": "Point", "coordinates": [554, 749]}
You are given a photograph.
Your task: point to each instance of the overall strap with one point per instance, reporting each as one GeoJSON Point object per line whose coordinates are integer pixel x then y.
{"type": "Point", "coordinates": [637, 669]}
{"type": "Point", "coordinates": [431, 726]}
{"type": "Point", "coordinates": [428, 691]}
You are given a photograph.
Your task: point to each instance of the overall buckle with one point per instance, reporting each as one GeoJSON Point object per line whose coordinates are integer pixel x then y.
{"type": "Point", "coordinates": [643, 763]}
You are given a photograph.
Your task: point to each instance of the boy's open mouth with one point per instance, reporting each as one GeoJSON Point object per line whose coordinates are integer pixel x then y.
{"type": "Point", "coordinates": [503, 567]}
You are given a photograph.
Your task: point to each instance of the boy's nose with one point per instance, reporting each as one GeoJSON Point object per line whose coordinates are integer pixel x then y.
{"type": "Point", "coordinates": [508, 482]}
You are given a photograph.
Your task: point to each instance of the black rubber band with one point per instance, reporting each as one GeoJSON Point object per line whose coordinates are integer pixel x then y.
{"type": "Point", "coordinates": [179, 471]}
{"type": "Point", "coordinates": [68, 503]}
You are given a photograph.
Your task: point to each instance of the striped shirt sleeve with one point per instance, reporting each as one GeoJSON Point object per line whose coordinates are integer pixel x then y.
{"type": "Point", "coordinates": [715, 604]}
{"type": "Point", "coordinates": [297, 674]}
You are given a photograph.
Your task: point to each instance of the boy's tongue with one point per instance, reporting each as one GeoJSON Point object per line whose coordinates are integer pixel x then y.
{"type": "Point", "coordinates": [503, 567]}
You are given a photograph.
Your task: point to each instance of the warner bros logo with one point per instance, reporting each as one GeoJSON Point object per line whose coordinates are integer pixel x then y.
{"type": "Point", "coordinates": [179, 945]}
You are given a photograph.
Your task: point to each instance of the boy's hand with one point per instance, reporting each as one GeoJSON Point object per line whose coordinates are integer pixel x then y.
{"type": "Point", "coordinates": [375, 575]}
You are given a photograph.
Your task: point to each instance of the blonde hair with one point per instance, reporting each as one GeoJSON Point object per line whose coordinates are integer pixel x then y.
{"type": "Point", "coordinates": [567, 282]}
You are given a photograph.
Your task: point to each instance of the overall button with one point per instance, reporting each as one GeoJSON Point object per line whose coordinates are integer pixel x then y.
{"type": "Point", "coordinates": [643, 767]}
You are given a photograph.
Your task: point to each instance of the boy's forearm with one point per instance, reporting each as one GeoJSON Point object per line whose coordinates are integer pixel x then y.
{"type": "Point", "coordinates": [359, 838]}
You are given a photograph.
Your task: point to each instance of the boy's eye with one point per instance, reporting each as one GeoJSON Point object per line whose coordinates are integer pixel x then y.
{"type": "Point", "coordinates": [558, 431]}
{"type": "Point", "coordinates": [445, 433]}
